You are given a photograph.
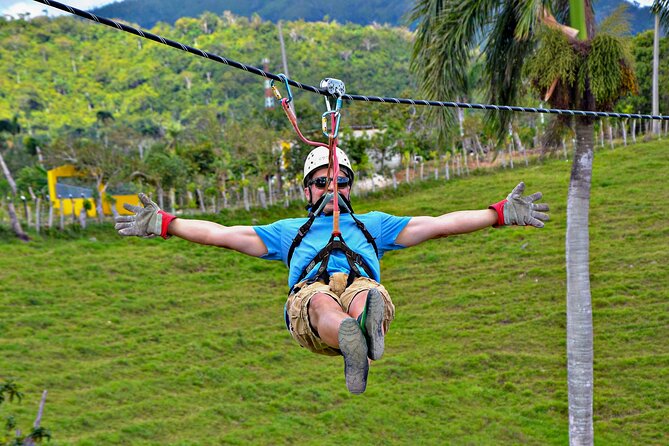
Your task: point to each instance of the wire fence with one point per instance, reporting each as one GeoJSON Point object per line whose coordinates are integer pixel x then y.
{"type": "Point", "coordinates": [41, 214]}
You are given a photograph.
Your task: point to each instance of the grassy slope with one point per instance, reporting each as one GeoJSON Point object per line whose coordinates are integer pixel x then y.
{"type": "Point", "coordinates": [152, 342]}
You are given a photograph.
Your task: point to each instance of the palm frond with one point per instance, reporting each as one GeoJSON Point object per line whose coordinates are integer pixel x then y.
{"type": "Point", "coordinates": [617, 23]}
{"type": "Point", "coordinates": [449, 32]}
{"type": "Point", "coordinates": [512, 39]}
{"type": "Point", "coordinates": [560, 10]}
{"type": "Point", "coordinates": [608, 69]}
{"type": "Point", "coordinates": [661, 8]}
{"type": "Point", "coordinates": [554, 59]}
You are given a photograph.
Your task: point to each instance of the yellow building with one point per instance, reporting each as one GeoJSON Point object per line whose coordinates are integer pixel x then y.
{"type": "Point", "coordinates": [72, 197]}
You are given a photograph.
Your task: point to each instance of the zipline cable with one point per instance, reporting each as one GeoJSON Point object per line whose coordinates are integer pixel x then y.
{"type": "Point", "coordinates": [324, 92]}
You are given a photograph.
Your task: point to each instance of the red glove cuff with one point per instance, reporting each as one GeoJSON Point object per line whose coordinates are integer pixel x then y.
{"type": "Point", "coordinates": [166, 220]}
{"type": "Point", "coordinates": [499, 208]}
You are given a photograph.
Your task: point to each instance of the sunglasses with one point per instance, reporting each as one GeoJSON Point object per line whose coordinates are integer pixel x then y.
{"type": "Point", "coordinates": [321, 182]}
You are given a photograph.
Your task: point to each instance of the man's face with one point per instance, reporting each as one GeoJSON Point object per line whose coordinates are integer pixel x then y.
{"type": "Point", "coordinates": [317, 192]}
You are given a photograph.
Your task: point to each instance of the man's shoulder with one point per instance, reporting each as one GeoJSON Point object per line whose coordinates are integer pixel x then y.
{"type": "Point", "coordinates": [288, 221]}
{"type": "Point", "coordinates": [373, 215]}
{"type": "Point", "coordinates": [285, 225]}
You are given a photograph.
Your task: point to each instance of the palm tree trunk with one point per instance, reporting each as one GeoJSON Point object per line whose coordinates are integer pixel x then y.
{"type": "Point", "coordinates": [38, 220]}
{"type": "Point", "coordinates": [564, 149]}
{"type": "Point", "coordinates": [160, 192]}
{"type": "Point", "coordinates": [520, 147]}
{"type": "Point", "coordinates": [656, 70]}
{"type": "Point", "coordinates": [247, 205]}
{"type": "Point", "coordinates": [13, 218]}
{"type": "Point", "coordinates": [49, 223]}
{"type": "Point", "coordinates": [98, 203]}
{"type": "Point", "coordinates": [61, 213]}
{"type": "Point", "coordinates": [200, 197]}
{"type": "Point", "coordinates": [579, 307]}
{"type": "Point", "coordinates": [610, 132]}
{"type": "Point", "coordinates": [173, 200]}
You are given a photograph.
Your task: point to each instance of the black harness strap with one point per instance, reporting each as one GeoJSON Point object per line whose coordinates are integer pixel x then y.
{"type": "Point", "coordinates": [323, 257]}
{"type": "Point", "coordinates": [300, 235]}
{"type": "Point", "coordinates": [366, 233]}
{"type": "Point", "coordinates": [336, 242]}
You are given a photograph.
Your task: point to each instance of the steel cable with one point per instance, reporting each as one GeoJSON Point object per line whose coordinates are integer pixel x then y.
{"type": "Point", "coordinates": [321, 91]}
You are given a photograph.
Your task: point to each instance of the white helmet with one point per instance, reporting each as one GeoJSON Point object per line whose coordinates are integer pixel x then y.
{"type": "Point", "coordinates": [319, 157]}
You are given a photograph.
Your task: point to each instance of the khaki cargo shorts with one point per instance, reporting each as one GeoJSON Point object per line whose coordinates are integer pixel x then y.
{"type": "Point", "coordinates": [297, 315]}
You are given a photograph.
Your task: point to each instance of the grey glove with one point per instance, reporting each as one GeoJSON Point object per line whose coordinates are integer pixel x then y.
{"type": "Point", "coordinates": [147, 221]}
{"type": "Point", "coordinates": [521, 211]}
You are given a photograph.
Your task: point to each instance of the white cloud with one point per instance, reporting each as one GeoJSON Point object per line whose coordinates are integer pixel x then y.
{"type": "Point", "coordinates": [14, 7]}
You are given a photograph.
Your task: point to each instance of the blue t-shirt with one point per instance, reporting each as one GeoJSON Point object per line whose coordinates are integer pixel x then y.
{"type": "Point", "coordinates": [278, 237]}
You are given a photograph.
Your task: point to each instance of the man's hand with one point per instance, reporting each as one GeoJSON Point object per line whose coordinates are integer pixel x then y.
{"type": "Point", "coordinates": [147, 221]}
{"type": "Point", "coordinates": [520, 210]}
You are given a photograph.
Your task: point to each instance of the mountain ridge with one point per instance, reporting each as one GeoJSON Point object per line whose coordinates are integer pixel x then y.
{"type": "Point", "coordinates": [149, 12]}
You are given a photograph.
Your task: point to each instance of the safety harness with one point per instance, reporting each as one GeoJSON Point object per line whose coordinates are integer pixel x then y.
{"type": "Point", "coordinates": [336, 89]}
{"type": "Point", "coordinates": [336, 242]}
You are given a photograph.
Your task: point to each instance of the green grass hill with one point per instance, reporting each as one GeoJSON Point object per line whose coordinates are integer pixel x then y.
{"type": "Point", "coordinates": [151, 342]}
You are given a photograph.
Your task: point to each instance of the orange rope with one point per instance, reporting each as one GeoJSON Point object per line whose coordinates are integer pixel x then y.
{"type": "Point", "coordinates": [293, 120]}
{"type": "Point", "coordinates": [333, 162]}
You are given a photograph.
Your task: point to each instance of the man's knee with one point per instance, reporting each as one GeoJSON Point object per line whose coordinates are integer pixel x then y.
{"type": "Point", "coordinates": [323, 302]}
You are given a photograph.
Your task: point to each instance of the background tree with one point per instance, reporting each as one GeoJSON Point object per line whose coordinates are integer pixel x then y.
{"type": "Point", "coordinates": [107, 158]}
{"type": "Point", "coordinates": [584, 71]}
{"type": "Point", "coordinates": [5, 141]}
{"type": "Point", "coordinates": [11, 435]}
{"type": "Point", "coordinates": [660, 10]}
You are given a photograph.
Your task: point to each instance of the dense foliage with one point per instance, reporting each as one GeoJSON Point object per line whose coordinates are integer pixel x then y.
{"type": "Point", "coordinates": [121, 107]}
{"type": "Point", "coordinates": [642, 51]}
{"type": "Point", "coordinates": [88, 94]}
{"type": "Point", "coordinates": [66, 74]}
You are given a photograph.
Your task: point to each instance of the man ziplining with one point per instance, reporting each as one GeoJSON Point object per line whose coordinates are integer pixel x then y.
{"type": "Point", "coordinates": [336, 304]}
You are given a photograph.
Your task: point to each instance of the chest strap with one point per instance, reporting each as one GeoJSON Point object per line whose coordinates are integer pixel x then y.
{"type": "Point", "coordinates": [319, 205]}
{"type": "Point", "coordinates": [355, 262]}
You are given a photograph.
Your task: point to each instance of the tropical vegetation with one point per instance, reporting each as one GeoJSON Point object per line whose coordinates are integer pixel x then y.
{"type": "Point", "coordinates": [573, 64]}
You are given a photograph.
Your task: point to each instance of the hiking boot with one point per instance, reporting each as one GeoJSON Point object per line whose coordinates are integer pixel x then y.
{"type": "Point", "coordinates": [371, 323]}
{"type": "Point", "coordinates": [354, 349]}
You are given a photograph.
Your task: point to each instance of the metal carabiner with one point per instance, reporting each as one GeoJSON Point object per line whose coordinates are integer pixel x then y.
{"type": "Point", "coordinates": [324, 122]}
{"type": "Point", "coordinates": [276, 92]}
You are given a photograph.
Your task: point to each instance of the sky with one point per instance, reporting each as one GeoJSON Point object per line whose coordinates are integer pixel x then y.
{"type": "Point", "coordinates": [15, 7]}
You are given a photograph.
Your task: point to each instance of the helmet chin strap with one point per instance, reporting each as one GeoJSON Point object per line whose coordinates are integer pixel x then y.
{"type": "Point", "coordinates": [317, 208]}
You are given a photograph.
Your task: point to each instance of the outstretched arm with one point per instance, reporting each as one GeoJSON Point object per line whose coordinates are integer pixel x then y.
{"type": "Point", "coordinates": [149, 221]}
{"type": "Point", "coordinates": [239, 238]}
{"type": "Point", "coordinates": [516, 209]}
{"type": "Point", "coordinates": [420, 229]}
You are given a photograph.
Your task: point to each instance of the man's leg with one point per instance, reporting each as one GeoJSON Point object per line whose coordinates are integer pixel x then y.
{"type": "Point", "coordinates": [325, 316]}
{"type": "Point", "coordinates": [368, 309]}
{"type": "Point", "coordinates": [339, 330]}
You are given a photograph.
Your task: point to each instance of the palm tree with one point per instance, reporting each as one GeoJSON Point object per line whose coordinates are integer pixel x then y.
{"type": "Point", "coordinates": [572, 68]}
{"type": "Point", "coordinates": [16, 225]}
{"type": "Point", "coordinates": [660, 10]}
